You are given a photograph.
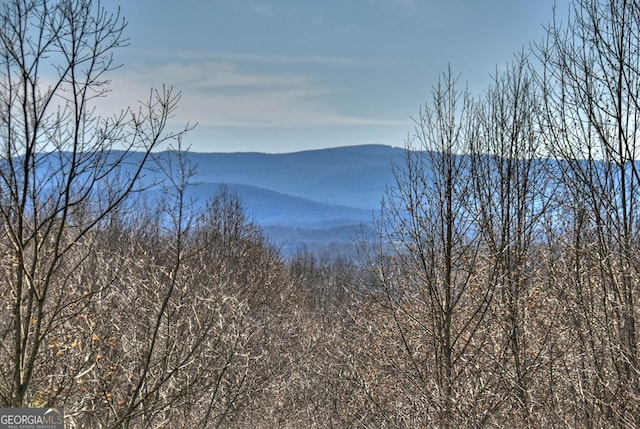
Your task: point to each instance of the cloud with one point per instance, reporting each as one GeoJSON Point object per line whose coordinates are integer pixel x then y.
{"type": "Point", "coordinates": [217, 76]}
{"type": "Point", "coordinates": [261, 9]}
{"type": "Point", "coordinates": [162, 56]}
{"type": "Point", "coordinates": [225, 91]}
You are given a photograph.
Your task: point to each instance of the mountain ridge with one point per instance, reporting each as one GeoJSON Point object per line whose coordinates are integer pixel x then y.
{"type": "Point", "coordinates": [318, 200]}
{"type": "Point", "coordinates": [353, 176]}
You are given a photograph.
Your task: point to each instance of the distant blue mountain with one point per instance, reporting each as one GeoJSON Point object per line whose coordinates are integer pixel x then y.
{"type": "Point", "coordinates": [318, 200]}
{"type": "Point", "coordinates": [352, 176]}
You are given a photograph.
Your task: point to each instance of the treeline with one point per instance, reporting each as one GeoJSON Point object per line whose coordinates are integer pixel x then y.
{"type": "Point", "coordinates": [502, 291]}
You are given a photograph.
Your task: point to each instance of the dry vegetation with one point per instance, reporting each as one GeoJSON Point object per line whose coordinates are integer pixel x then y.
{"type": "Point", "coordinates": [503, 291]}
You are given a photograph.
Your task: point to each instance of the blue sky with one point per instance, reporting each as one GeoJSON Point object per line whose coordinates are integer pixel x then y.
{"type": "Point", "coordinates": [288, 75]}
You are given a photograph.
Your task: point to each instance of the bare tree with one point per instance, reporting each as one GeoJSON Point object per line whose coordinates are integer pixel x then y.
{"type": "Point", "coordinates": [429, 283]}
{"type": "Point", "coordinates": [511, 197]}
{"type": "Point", "coordinates": [592, 93]}
{"type": "Point", "coordinates": [63, 170]}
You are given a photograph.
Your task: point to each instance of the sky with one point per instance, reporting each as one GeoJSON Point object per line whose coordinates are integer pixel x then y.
{"type": "Point", "coordinates": [281, 76]}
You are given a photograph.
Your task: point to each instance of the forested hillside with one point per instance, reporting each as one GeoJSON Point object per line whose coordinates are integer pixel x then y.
{"type": "Point", "coordinates": [500, 288]}
{"type": "Point", "coordinates": [320, 201]}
